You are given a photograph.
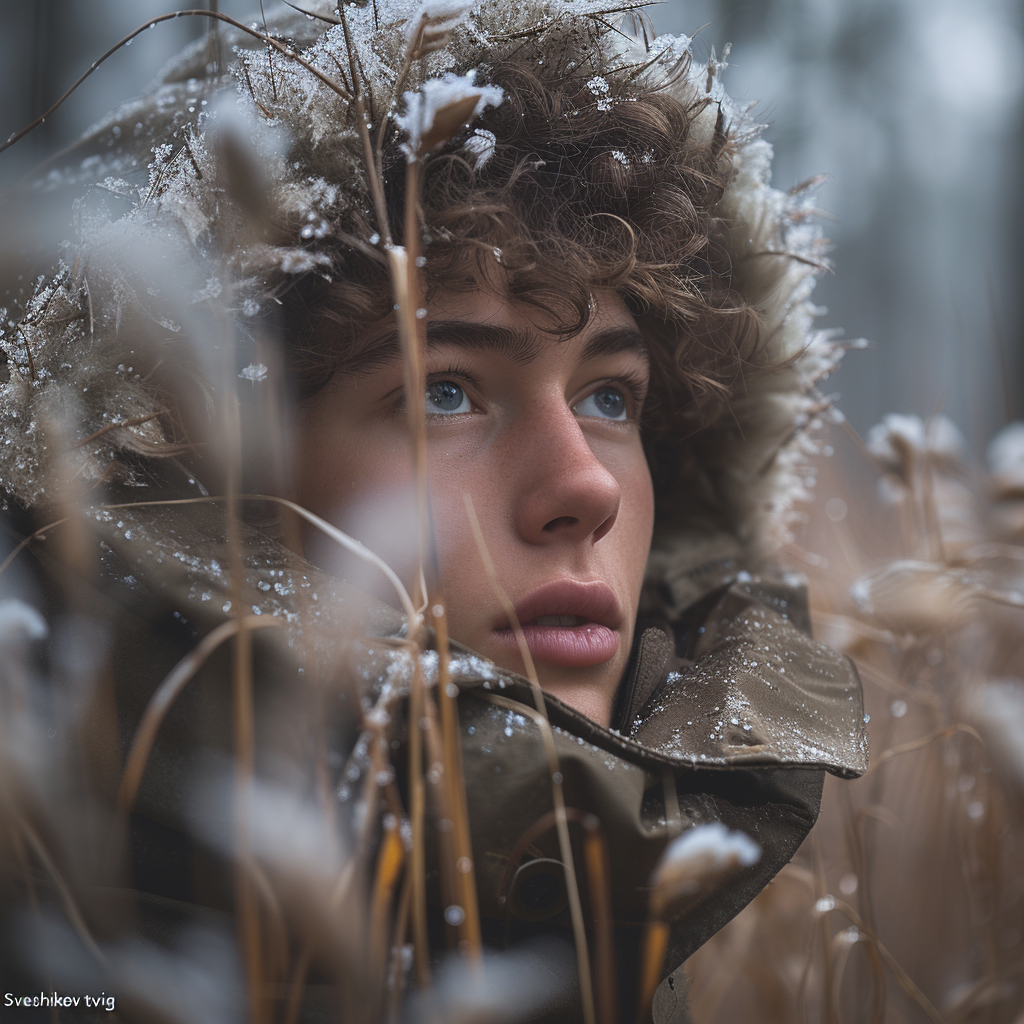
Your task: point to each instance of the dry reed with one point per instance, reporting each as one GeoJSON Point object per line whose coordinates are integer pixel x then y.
{"type": "Point", "coordinates": [907, 902]}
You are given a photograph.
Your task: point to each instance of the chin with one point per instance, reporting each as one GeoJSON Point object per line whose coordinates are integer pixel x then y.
{"type": "Point", "coordinates": [589, 690]}
{"type": "Point", "coordinates": [591, 697]}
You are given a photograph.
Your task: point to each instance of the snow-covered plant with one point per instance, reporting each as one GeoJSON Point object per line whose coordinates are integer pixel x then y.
{"type": "Point", "coordinates": [439, 108]}
{"type": "Point", "coordinates": [700, 855]}
{"type": "Point", "coordinates": [429, 28]}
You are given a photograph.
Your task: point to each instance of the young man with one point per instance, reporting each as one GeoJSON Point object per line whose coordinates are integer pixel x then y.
{"type": "Point", "coordinates": [619, 373]}
{"type": "Point", "coordinates": [543, 436]}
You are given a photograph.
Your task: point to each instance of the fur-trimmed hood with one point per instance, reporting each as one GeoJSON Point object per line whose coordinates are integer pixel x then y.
{"type": "Point", "coordinates": [106, 357]}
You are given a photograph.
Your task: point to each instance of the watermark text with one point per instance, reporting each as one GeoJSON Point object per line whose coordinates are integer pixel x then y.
{"type": "Point", "coordinates": [60, 1001]}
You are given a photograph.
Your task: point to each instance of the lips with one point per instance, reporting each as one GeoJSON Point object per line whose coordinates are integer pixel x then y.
{"type": "Point", "coordinates": [568, 623]}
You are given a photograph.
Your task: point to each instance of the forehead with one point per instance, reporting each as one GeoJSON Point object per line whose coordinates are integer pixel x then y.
{"type": "Point", "coordinates": [518, 331]}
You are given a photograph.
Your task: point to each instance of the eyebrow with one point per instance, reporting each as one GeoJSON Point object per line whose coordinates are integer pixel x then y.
{"type": "Point", "coordinates": [513, 344]}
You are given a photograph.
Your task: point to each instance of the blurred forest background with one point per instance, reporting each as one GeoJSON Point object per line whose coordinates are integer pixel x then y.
{"type": "Point", "coordinates": [913, 108]}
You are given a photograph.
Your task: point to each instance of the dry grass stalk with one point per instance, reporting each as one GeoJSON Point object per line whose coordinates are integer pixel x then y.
{"type": "Point", "coordinates": [695, 861]}
{"type": "Point", "coordinates": [469, 929]}
{"type": "Point", "coordinates": [540, 717]}
{"type": "Point", "coordinates": [656, 937]}
{"type": "Point", "coordinates": [407, 291]}
{"type": "Point", "coordinates": [417, 811]}
{"type": "Point", "coordinates": [595, 854]}
{"type": "Point", "coordinates": [389, 866]}
{"type": "Point", "coordinates": [161, 701]}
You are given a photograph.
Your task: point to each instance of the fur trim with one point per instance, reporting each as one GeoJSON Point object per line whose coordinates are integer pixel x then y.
{"type": "Point", "coordinates": [146, 284]}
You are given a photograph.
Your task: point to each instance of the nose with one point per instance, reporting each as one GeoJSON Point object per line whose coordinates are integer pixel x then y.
{"type": "Point", "coordinates": [564, 491]}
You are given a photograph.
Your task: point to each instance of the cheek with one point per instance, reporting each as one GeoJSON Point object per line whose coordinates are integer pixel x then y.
{"type": "Point", "coordinates": [637, 508]}
{"type": "Point", "coordinates": [468, 591]}
{"type": "Point", "coordinates": [453, 480]}
{"type": "Point", "coordinates": [362, 484]}
{"type": "Point", "coordinates": [341, 466]}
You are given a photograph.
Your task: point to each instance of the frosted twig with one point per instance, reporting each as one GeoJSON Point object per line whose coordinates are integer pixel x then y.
{"type": "Point", "coordinates": [310, 14]}
{"type": "Point", "coordinates": [456, 786]}
{"type": "Point", "coordinates": [286, 51]}
{"type": "Point", "coordinates": [373, 173]}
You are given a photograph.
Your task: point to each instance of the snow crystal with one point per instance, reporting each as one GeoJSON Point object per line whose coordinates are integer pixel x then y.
{"type": "Point", "coordinates": [602, 90]}
{"type": "Point", "coordinates": [481, 145]}
{"type": "Point", "coordinates": [671, 49]}
{"type": "Point", "coordinates": [298, 261]}
{"type": "Point", "coordinates": [254, 372]}
{"type": "Point", "coordinates": [212, 290]}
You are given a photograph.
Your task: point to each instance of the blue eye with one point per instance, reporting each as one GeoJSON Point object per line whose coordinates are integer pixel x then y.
{"type": "Point", "coordinates": [445, 398]}
{"type": "Point", "coordinates": [605, 403]}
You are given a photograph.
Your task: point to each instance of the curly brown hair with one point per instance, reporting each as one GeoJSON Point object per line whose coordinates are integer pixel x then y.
{"type": "Point", "coordinates": [576, 195]}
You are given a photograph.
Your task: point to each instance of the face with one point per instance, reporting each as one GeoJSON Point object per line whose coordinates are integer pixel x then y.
{"type": "Point", "coordinates": [543, 436]}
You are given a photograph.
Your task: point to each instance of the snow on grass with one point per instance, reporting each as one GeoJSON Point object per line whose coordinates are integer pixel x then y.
{"type": "Point", "coordinates": [699, 856]}
{"type": "Point", "coordinates": [440, 107]}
